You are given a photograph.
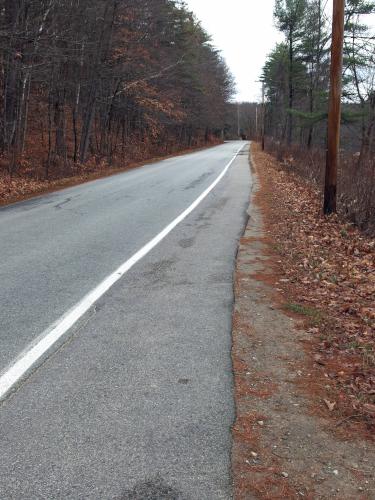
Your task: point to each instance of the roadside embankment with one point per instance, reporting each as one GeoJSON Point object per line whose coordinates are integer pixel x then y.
{"type": "Point", "coordinates": [303, 340]}
{"type": "Point", "coordinates": [24, 186]}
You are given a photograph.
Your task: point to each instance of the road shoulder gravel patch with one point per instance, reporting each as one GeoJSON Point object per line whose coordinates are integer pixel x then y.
{"type": "Point", "coordinates": [281, 447]}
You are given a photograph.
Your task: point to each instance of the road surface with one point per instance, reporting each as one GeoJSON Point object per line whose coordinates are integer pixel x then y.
{"type": "Point", "coordinates": [135, 399]}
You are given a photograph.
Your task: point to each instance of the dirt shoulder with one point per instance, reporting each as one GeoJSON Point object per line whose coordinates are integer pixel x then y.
{"type": "Point", "coordinates": [302, 348]}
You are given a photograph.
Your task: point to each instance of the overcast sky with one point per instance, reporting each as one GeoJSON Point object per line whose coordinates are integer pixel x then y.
{"type": "Point", "coordinates": [245, 33]}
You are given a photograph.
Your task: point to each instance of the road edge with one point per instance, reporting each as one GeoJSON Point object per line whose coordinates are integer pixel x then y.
{"type": "Point", "coordinates": [281, 448]}
{"type": "Point", "coordinates": [57, 185]}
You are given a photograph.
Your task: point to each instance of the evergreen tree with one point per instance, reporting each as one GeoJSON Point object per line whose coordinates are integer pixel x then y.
{"type": "Point", "coordinates": [289, 16]}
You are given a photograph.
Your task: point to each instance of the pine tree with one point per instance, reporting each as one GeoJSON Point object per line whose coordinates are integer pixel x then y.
{"type": "Point", "coordinates": [289, 15]}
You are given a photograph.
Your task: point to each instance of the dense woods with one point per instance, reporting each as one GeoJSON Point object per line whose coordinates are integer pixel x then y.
{"type": "Point", "coordinates": [85, 82]}
{"type": "Point", "coordinates": [296, 78]}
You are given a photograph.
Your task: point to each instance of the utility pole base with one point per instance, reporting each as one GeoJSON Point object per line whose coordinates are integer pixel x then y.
{"type": "Point", "coordinates": [330, 200]}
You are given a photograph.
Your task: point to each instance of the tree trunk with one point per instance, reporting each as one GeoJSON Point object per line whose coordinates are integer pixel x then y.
{"type": "Point", "coordinates": [291, 91]}
{"type": "Point", "coordinates": [367, 135]}
{"type": "Point", "coordinates": [86, 126]}
{"type": "Point", "coordinates": [59, 121]}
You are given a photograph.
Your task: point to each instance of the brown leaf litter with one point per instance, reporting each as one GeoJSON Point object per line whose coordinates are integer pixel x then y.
{"type": "Point", "coordinates": [303, 335]}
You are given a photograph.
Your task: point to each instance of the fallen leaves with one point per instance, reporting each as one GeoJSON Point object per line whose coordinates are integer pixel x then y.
{"type": "Point", "coordinates": [30, 178]}
{"type": "Point", "coordinates": [369, 408]}
{"type": "Point", "coordinates": [327, 266]}
{"type": "Point", "coordinates": [330, 405]}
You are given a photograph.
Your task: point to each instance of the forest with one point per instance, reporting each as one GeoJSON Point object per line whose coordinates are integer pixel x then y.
{"type": "Point", "coordinates": [88, 83]}
{"type": "Point", "coordinates": [296, 83]}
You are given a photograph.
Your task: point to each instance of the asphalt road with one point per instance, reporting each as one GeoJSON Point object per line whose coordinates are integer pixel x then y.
{"type": "Point", "coordinates": [136, 401]}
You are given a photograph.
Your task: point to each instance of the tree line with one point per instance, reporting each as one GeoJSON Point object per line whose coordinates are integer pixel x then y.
{"type": "Point", "coordinates": [105, 80]}
{"type": "Point", "coordinates": [296, 75]}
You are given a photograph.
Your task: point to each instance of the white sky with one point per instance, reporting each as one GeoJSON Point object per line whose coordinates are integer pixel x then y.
{"type": "Point", "coordinates": [245, 33]}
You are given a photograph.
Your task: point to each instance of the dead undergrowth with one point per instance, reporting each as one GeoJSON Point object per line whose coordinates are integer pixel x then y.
{"type": "Point", "coordinates": [327, 277]}
{"type": "Point", "coordinates": [304, 427]}
{"type": "Point", "coordinates": [25, 184]}
{"type": "Point", "coordinates": [356, 186]}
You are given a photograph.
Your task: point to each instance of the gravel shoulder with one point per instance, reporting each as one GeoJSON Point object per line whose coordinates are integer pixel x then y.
{"type": "Point", "coordinates": [284, 444]}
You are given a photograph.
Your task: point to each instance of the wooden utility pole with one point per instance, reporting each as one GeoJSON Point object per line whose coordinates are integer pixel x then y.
{"type": "Point", "coordinates": [334, 112]}
{"type": "Point", "coordinates": [263, 117]}
{"type": "Point", "coordinates": [238, 120]}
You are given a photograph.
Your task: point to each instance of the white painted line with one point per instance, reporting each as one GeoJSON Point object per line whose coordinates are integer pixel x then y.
{"type": "Point", "coordinates": [30, 356]}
